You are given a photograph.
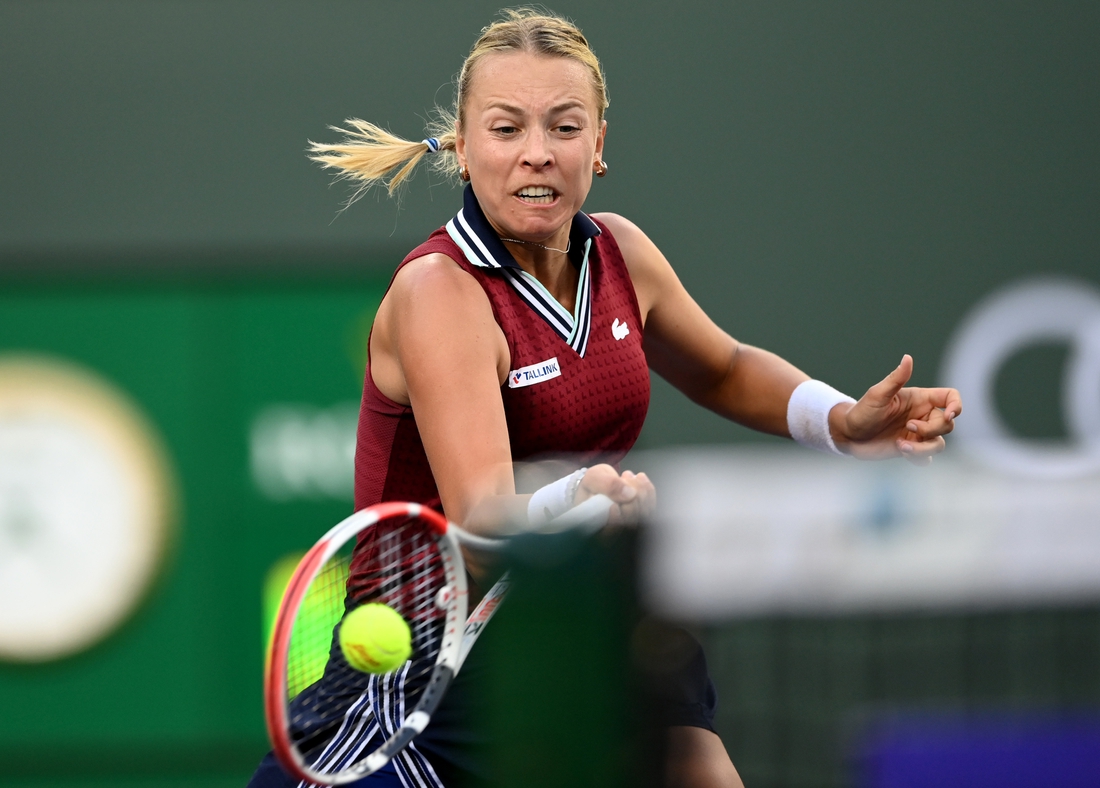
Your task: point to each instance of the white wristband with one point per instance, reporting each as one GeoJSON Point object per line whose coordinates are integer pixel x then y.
{"type": "Point", "coordinates": [808, 415]}
{"type": "Point", "coordinates": [554, 499]}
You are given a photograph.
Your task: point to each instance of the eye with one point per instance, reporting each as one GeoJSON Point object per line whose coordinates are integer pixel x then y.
{"type": "Point", "coordinates": [567, 128]}
{"type": "Point", "coordinates": [505, 130]}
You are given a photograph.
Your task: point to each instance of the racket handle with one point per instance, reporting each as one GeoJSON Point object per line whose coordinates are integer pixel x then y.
{"type": "Point", "coordinates": [589, 516]}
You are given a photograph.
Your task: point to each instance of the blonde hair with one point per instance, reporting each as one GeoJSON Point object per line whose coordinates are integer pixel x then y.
{"type": "Point", "coordinates": [369, 153]}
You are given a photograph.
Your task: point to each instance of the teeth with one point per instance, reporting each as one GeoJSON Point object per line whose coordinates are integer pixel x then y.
{"type": "Point", "coordinates": [536, 193]}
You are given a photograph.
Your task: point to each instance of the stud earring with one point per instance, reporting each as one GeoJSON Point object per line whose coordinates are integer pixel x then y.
{"type": "Point", "coordinates": [464, 174]}
{"type": "Point", "coordinates": [600, 167]}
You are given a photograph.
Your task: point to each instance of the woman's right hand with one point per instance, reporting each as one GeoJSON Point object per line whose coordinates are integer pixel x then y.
{"type": "Point", "coordinates": [633, 494]}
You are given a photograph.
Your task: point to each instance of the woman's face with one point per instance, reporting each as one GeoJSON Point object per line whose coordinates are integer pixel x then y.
{"type": "Point", "coordinates": [529, 138]}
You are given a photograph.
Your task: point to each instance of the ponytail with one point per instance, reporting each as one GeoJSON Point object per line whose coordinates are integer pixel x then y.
{"type": "Point", "coordinates": [369, 153]}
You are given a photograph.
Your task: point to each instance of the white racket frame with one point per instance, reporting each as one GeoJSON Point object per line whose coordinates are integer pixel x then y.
{"type": "Point", "coordinates": [445, 667]}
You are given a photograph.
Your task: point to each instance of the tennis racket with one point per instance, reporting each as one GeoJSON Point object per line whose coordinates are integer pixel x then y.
{"type": "Point", "coordinates": [331, 724]}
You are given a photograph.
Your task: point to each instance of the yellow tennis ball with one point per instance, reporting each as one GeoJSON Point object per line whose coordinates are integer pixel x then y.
{"type": "Point", "coordinates": [375, 639]}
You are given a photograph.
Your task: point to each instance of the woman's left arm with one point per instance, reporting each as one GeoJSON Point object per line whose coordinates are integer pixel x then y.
{"type": "Point", "coordinates": [752, 386]}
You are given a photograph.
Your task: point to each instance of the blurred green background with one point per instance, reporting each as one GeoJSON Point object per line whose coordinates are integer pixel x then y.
{"type": "Point", "coordinates": [838, 182]}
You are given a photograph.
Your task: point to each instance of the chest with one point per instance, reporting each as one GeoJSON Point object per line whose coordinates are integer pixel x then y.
{"type": "Point", "coordinates": [558, 399]}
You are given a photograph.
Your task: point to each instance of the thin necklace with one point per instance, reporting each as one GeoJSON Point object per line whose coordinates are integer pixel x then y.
{"type": "Point", "coordinates": [568, 245]}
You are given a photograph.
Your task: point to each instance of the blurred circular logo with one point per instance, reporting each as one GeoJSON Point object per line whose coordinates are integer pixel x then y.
{"type": "Point", "coordinates": [1027, 313]}
{"type": "Point", "coordinates": [85, 507]}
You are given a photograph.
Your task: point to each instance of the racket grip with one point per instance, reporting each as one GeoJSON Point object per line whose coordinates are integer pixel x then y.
{"type": "Point", "coordinates": [589, 516]}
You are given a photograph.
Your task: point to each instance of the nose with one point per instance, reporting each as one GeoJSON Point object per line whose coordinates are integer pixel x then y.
{"type": "Point", "coordinates": [538, 153]}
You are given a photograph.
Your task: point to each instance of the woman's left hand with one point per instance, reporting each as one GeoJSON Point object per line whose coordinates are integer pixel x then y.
{"type": "Point", "coordinates": [890, 420]}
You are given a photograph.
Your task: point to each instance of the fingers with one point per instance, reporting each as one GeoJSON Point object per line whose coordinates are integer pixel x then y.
{"type": "Point", "coordinates": [634, 494]}
{"type": "Point", "coordinates": [953, 405]}
{"type": "Point", "coordinates": [947, 400]}
{"type": "Point", "coordinates": [889, 386]}
{"type": "Point", "coordinates": [645, 502]}
{"type": "Point", "coordinates": [921, 452]}
{"type": "Point", "coordinates": [936, 423]}
{"type": "Point", "coordinates": [927, 432]}
{"type": "Point", "coordinates": [605, 480]}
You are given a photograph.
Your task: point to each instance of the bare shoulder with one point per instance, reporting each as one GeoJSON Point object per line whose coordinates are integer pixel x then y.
{"type": "Point", "coordinates": [435, 313]}
{"type": "Point", "coordinates": [434, 288]}
{"type": "Point", "coordinates": [649, 270]}
{"type": "Point", "coordinates": [615, 222]}
{"type": "Point", "coordinates": [434, 275]}
{"type": "Point", "coordinates": [627, 234]}
{"type": "Point", "coordinates": [637, 248]}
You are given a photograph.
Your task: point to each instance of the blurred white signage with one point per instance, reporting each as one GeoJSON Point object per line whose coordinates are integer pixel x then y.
{"type": "Point", "coordinates": [302, 451]}
{"type": "Point", "coordinates": [87, 496]}
{"type": "Point", "coordinates": [1027, 313]}
{"type": "Point", "coordinates": [762, 531]}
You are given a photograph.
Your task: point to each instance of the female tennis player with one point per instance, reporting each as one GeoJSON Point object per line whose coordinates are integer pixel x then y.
{"type": "Point", "coordinates": [525, 327]}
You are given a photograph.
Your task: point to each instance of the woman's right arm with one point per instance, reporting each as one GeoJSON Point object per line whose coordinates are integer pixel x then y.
{"type": "Point", "coordinates": [436, 346]}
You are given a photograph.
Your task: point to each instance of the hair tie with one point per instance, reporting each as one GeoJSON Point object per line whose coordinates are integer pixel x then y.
{"type": "Point", "coordinates": [432, 143]}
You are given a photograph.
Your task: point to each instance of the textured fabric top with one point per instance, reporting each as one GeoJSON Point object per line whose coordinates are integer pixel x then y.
{"type": "Point", "coordinates": [556, 402]}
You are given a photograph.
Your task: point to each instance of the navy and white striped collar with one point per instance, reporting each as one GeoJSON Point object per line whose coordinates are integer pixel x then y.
{"type": "Point", "coordinates": [483, 246]}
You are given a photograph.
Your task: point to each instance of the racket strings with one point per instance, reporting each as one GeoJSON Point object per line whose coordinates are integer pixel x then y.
{"type": "Point", "coordinates": [320, 612]}
{"type": "Point", "coordinates": [397, 563]}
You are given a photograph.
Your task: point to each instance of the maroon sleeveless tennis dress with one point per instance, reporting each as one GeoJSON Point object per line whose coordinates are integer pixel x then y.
{"type": "Point", "coordinates": [578, 385]}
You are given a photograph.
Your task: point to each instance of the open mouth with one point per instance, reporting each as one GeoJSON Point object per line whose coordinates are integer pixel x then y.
{"type": "Point", "coordinates": [537, 195]}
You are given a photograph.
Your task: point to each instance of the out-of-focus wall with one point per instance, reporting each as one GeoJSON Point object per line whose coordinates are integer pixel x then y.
{"type": "Point", "coordinates": [838, 182]}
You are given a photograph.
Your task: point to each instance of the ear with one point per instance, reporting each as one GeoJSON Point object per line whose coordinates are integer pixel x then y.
{"type": "Point", "coordinates": [600, 137]}
{"type": "Point", "coordinates": [460, 145]}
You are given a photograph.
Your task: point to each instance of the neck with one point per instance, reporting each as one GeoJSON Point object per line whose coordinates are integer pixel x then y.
{"type": "Point", "coordinates": [537, 255]}
{"type": "Point", "coordinates": [533, 256]}
{"type": "Point", "coordinates": [551, 266]}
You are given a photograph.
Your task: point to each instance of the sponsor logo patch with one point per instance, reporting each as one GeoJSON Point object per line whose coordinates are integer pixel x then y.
{"type": "Point", "coordinates": [619, 330]}
{"type": "Point", "coordinates": [535, 373]}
